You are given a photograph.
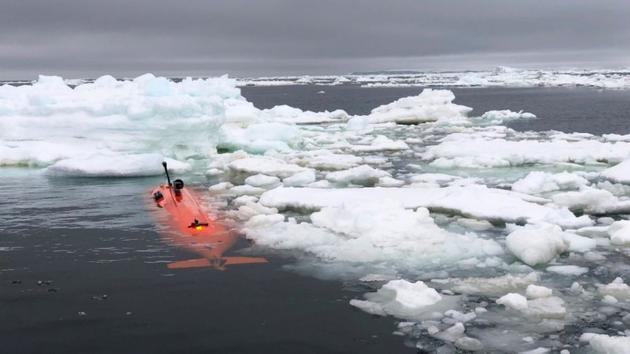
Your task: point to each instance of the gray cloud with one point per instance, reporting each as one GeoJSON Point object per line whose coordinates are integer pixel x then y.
{"type": "Point", "coordinates": [270, 37]}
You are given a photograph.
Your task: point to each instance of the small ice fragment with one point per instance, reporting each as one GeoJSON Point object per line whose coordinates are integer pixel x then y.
{"type": "Point", "coordinates": [261, 180]}
{"type": "Point", "coordinates": [300, 179]}
{"type": "Point", "coordinates": [540, 350]}
{"type": "Point", "coordinates": [616, 288]}
{"type": "Point", "coordinates": [460, 317]}
{"type": "Point", "coordinates": [537, 182]}
{"type": "Point", "coordinates": [361, 175]}
{"type": "Point", "coordinates": [619, 232]}
{"type": "Point", "coordinates": [547, 307]}
{"type": "Point", "coordinates": [369, 307]}
{"type": "Point", "coordinates": [377, 277]}
{"type": "Point", "coordinates": [468, 344]}
{"type": "Point", "coordinates": [452, 333]}
{"type": "Point", "coordinates": [513, 301]}
{"type": "Point", "coordinates": [568, 270]}
{"type": "Point", "coordinates": [535, 291]}
{"type": "Point", "coordinates": [246, 190]}
{"type": "Point", "coordinates": [536, 244]}
{"type": "Point", "coordinates": [618, 173]}
{"type": "Point", "coordinates": [605, 344]}
{"type": "Point", "coordinates": [608, 299]}
{"type": "Point", "coordinates": [220, 187]}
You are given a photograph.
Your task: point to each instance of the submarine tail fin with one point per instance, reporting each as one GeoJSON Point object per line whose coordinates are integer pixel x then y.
{"type": "Point", "coordinates": [225, 261]}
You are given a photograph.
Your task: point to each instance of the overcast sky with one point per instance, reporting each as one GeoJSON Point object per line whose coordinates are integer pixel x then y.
{"type": "Point", "coordinates": [88, 38]}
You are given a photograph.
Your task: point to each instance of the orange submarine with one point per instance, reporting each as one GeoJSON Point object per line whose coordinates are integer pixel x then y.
{"type": "Point", "coordinates": [194, 230]}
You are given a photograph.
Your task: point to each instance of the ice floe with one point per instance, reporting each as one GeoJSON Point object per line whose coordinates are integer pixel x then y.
{"type": "Point", "coordinates": [499, 77]}
{"type": "Point", "coordinates": [536, 245]}
{"type": "Point", "coordinates": [618, 173]}
{"type": "Point", "coordinates": [505, 238]}
{"type": "Point", "coordinates": [605, 344]}
{"type": "Point", "coordinates": [538, 182]}
{"type": "Point", "coordinates": [499, 205]}
{"type": "Point", "coordinates": [428, 106]}
{"type": "Point", "coordinates": [357, 233]}
{"type": "Point", "coordinates": [498, 117]}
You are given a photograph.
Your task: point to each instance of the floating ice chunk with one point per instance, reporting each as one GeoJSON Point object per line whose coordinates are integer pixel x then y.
{"type": "Point", "coordinates": [439, 178]}
{"type": "Point", "coordinates": [536, 244]}
{"type": "Point", "coordinates": [491, 286]}
{"type": "Point", "coordinates": [551, 307]}
{"type": "Point", "coordinates": [300, 179]}
{"type": "Point", "coordinates": [381, 143]}
{"type": "Point", "coordinates": [221, 161]}
{"type": "Point", "coordinates": [461, 317]}
{"type": "Point", "coordinates": [452, 333]}
{"type": "Point", "coordinates": [110, 117]}
{"type": "Point", "coordinates": [246, 190]}
{"type": "Point", "coordinates": [428, 106]}
{"type": "Point", "coordinates": [591, 200]}
{"type": "Point", "coordinates": [265, 165]}
{"type": "Point", "coordinates": [579, 243]}
{"type": "Point", "coordinates": [568, 270]}
{"type": "Point", "coordinates": [376, 232]}
{"type": "Point", "coordinates": [544, 307]}
{"type": "Point", "coordinates": [220, 187]}
{"type": "Point", "coordinates": [498, 204]}
{"type": "Point", "coordinates": [497, 117]}
{"type": "Point", "coordinates": [400, 298]}
{"type": "Point", "coordinates": [262, 181]}
{"type": "Point", "coordinates": [238, 111]}
{"type": "Point", "coordinates": [249, 209]}
{"type": "Point", "coordinates": [593, 231]}
{"type": "Point", "coordinates": [243, 200]}
{"type": "Point", "coordinates": [619, 232]}
{"type": "Point", "coordinates": [214, 172]}
{"type": "Point", "coordinates": [259, 138]}
{"type": "Point", "coordinates": [377, 277]}
{"type": "Point", "coordinates": [330, 161]}
{"type": "Point", "coordinates": [291, 115]}
{"type": "Point", "coordinates": [471, 151]}
{"type": "Point", "coordinates": [320, 184]}
{"type": "Point", "coordinates": [360, 175]}
{"type": "Point", "coordinates": [387, 181]}
{"type": "Point", "coordinates": [610, 300]}
{"type": "Point", "coordinates": [541, 182]}
{"type": "Point", "coordinates": [605, 344]}
{"type": "Point", "coordinates": [358, 123]}
{"type": "Point", "coordinates": [411, 295]}
{"type": "Point", "coordinates": [514, 301]}
{"type": "Point", "coordinates": [368, 306]}
{"type": "Point", "coordinates": [536, 292]}
{"type": "Point", "coordinates": [469, 344]}
{"type": "Point", "coordinates": [616, 288]}
{"type": "Point", "coordinates": [474, 224]}
{"type": "Point", "coordinates": [618, 173]}
{"type": "Point", "coordinates": [134, 165]}
{"type": "Point", "coordinates": [540, 350]}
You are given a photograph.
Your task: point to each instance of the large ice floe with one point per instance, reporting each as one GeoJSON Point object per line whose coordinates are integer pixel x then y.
{"type": "Point", "coordinates": [474, 236]}
{"type": "Point", "coordinates": [499, 77]}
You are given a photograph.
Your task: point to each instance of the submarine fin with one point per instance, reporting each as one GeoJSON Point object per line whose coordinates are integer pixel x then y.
{"type": "Point", "coordinates": [243, 260]}
{"type": "Point", "coordinates": [190, 263]}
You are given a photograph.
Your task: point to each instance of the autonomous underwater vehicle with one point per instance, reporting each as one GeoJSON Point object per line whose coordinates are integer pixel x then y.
{"type": "Point", "coordinates": [193, 228]}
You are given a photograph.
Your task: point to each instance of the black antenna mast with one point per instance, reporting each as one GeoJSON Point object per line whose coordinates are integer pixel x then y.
{"type": "Point", "coordinates": [168, 178]}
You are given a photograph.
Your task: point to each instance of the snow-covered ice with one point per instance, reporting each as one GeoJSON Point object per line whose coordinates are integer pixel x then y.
{"type": "Point", "coordinates": [498, 204]}
{"type": "Point", "coordinates": [471, 230]}
{"type": "Point", "coordinates": [428, 106]}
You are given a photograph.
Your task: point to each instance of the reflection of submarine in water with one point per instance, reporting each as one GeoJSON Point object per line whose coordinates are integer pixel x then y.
{"type": "Point", "coordinates": [194, 230]}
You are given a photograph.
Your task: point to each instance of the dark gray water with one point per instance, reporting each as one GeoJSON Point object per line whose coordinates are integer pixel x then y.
{"type": "Point", "coordinates": [83, 270]}
{"type": "Point", "coordinates": [558, 108]}
{"type": "Point", "coordinates": [67, 242]}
